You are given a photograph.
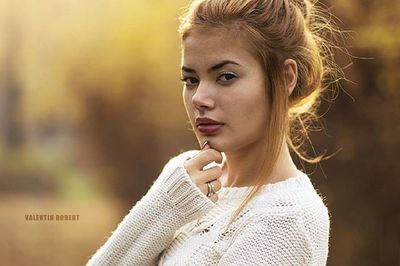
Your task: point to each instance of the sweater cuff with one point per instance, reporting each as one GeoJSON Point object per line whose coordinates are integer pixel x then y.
{"type": "Point", "coordinates": [185, 195]}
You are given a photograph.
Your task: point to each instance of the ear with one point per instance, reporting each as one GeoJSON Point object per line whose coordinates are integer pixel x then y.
{"type": "Point", "coordinates": [290, 72]}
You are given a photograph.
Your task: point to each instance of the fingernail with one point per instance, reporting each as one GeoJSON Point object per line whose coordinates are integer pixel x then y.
{"type": "Point", "coordinates": [205, 145]}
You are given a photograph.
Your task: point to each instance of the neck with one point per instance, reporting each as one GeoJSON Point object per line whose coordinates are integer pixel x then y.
{"type": "Point", "coordinates": [240, 166]}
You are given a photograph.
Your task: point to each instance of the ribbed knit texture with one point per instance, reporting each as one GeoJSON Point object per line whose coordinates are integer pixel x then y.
{"type": "Point", "coordinates": [287, 223]}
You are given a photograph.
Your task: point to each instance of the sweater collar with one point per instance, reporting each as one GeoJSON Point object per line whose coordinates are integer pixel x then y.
{"type": "Point", "coordinates": [300, 180]}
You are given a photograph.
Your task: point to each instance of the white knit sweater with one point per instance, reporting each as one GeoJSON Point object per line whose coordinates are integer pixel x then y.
{"type": "Point", "coordinates": [176, 224]}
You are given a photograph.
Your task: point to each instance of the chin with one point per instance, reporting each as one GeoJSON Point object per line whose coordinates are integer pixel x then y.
{"type": "Point", "coordinates": [216, 145]}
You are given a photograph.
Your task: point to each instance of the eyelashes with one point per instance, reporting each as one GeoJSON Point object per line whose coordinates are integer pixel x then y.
{"type": "Point", "coordinates": [232, 76]}
{"type": "Point", "coordinates": [228, 78]}
{"type": "Point", "coordinates": [185, 80]}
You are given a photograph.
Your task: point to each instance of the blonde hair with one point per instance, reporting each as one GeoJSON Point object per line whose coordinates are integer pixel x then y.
{"type": "Point", "coordinates": [277, 30]}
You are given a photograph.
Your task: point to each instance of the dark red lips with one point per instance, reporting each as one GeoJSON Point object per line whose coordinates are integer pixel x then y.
{"type": "Point", "coordinates": [207, 125]}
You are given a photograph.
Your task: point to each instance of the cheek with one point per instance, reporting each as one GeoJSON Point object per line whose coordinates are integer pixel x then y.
{"type": "Point", "coordinates": [254, 112]}
{"type": "Point", "coordinates": [252, 105]}
{"type": "Point", "coordinates": [260, 112]}
{"type": "Point", "coordinates": [187, 101]}
{"type": "Point", "coordinates": [254, 120]}
{"type": "Point", "coordinates": [250, 113]}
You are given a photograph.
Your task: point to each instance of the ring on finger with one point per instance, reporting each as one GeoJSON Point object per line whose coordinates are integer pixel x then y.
{"type": "Point", "coordinates": [210, 191]}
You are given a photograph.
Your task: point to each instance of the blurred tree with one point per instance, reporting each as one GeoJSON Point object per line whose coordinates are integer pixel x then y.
{"type": "Point", "coordinates": [10, 107]}
{"type": "Point", "coordinates": [362, 188]}
{"type": "Point", "coordinates": [108, 73]}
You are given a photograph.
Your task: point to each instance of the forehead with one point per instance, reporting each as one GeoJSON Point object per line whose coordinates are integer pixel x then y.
{"type": "Point", "coordinates": [211, 45]}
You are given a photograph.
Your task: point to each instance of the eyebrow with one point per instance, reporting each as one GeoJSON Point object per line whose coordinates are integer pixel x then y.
{"type": "Point", "coordinates": [213, 68]}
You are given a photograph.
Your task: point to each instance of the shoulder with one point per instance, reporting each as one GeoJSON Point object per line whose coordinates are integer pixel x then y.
{"type": "Point", "coordinates": [299, 215]}
{"type": "Point", "coordinates": [315, 222]}
{"type": "Point", "coordinates": [295, 197]}
{"type": "Point", "coordinates": [306, 207]}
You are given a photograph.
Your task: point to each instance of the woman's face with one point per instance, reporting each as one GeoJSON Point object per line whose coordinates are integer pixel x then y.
{"type": "Point", "coordinates": [224, 82]}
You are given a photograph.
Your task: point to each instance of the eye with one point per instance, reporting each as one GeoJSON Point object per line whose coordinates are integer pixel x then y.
{"type": "Point", "coordinates": [228, 77]}
{"type": "Point", "coordinates": [188, 81]}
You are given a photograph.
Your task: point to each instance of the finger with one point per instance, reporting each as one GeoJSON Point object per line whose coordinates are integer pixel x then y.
{"type": "Point", "coordinates": [206, 145]}
{"type": "Point", "coordinates": [210, 174]}
{"type": "Point", "coordinates": [213, 198]}
{"type": "Point", "coordinates": [207, 156]}
{"type": "Point", "coordinates": [215, 184]}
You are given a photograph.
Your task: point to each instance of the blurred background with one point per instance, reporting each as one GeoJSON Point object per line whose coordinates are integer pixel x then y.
{"type": "Point", "coordinates": [91, 110]}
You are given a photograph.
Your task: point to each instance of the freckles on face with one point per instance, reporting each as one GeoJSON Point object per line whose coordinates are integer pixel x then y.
{"type": "Point", "coordinates": [237, 98]}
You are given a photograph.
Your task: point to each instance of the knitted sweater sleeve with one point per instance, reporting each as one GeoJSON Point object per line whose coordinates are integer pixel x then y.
{"type": "Point", "coordinates": [172, 201]}
{"type": "Point", "coordinates": [270, 240]}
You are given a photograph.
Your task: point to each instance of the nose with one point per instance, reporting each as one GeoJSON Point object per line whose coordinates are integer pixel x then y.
{"type": "Point", "coordinates": [203, 97]}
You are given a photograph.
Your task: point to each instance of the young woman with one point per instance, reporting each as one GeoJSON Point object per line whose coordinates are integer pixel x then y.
{"type": "Point", "coordinates": [253, 74]}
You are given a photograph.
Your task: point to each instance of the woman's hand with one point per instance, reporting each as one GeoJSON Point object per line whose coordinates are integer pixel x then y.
{"type": "Point", "coordinates": [200, 177]}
